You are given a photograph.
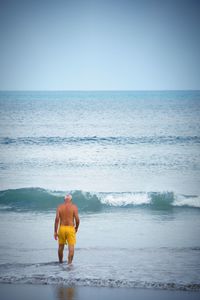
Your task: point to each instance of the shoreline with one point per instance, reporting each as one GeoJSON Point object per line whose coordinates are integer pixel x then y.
{"type": "Point", "coordinates": [63, 292]}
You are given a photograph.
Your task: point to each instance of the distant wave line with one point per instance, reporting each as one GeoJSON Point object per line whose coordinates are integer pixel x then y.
{"type": "Point", "coordinates": [108, 140]}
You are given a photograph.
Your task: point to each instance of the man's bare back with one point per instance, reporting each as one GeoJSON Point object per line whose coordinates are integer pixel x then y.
{"type": "Point", "coordinates": [67, 213]}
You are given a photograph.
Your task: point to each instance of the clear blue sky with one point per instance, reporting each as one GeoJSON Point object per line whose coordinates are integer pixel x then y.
{"type": "Point", "coordinates": [99, 45]}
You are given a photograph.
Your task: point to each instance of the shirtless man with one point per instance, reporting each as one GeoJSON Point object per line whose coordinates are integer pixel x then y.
{"type": "Point", "coordinates": [66, 213]}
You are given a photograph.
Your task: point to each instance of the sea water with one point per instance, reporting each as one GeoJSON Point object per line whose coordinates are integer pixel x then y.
{"type": "Point", "coordinates": [132, 163]}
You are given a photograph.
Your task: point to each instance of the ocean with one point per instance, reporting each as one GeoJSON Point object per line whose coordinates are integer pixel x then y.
{"type": "Point", "coordinates": [131, 160]}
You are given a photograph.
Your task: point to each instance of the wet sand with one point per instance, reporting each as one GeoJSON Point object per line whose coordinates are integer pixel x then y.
{"type": "Point", "coordinates": [58, 292]}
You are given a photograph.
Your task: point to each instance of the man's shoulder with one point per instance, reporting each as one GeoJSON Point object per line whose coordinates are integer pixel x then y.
{"type": "Point", "coordinates": [74, 206]}
{"type": "Point", "coordinates": [60, 206]}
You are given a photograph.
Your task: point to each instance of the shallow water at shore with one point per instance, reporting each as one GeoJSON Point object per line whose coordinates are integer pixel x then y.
{"type": "Point", "coordinates": [133, 247]}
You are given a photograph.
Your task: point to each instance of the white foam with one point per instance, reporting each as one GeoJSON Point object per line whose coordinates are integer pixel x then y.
{"type": "Point", "coordinates": [97, 282]}
{"type": "Point", "coordinates": [192, 201]}
{"type": "Point", "coordinates": [123, 199]}
{"type": "Point", "coordinates": [141, 198]}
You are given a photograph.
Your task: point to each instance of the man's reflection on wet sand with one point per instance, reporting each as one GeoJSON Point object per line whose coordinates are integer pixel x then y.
{"type": "Point", "coordinates": [65, 293]}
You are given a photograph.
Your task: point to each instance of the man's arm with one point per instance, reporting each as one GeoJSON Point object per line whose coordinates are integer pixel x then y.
{"type": "Point", "coordinates": [57, 218]}
{"type": "Point", "coordinates": [76, 217]}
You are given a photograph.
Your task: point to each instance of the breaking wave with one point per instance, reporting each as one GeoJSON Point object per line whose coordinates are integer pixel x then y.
{"type": "Point", "coordinates": [38, 199]}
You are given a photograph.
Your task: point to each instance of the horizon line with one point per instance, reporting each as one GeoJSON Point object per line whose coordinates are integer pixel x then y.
{"type": "Point", "coordinates": [95, 90]}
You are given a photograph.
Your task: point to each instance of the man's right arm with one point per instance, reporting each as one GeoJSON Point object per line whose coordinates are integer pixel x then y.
{"type": "Point", "coordinates": [76, 217]}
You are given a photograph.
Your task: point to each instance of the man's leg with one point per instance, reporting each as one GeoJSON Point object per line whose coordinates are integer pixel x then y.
{"type": "Point", "coordinates": [70, 253]}
{"type": "Point", "coordinates": [60, 252]}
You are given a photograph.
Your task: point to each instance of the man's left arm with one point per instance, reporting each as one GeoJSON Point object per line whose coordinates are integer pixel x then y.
{"type": "Point", "coordinates": [76, 217]}
{"type": "Point", "coordinates": [57, 218]}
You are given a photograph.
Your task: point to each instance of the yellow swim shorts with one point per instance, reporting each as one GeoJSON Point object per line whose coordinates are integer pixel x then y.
{"type": "Point", "coordinates": [67, 235]}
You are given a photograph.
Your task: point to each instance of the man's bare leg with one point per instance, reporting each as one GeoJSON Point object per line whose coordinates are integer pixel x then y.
{"type": "Point", "coordinates": [70, 254]}
{"type": "Point", "coordinates": [60, 252]}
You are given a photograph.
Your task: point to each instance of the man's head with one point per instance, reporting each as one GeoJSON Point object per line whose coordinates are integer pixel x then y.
{"type": "Point", "coordinates": [68, 198]}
